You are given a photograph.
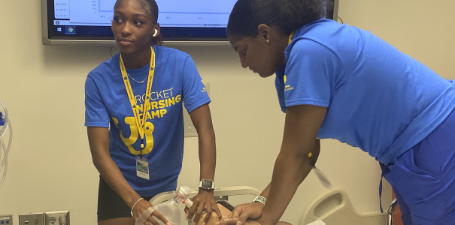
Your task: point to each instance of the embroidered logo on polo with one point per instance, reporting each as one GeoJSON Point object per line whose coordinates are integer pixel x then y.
{"type": "Point", "coordinates": [287, 87]}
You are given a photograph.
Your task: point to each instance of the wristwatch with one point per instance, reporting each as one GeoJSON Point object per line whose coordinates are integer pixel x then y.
{"type": "Point", "coordinates": [260, 199]}
{"type": "Point", "coordinates": [207, 185]}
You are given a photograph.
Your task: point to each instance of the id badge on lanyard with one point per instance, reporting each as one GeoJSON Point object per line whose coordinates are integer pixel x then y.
{"type": "Point", "coordinates": [142, 167]}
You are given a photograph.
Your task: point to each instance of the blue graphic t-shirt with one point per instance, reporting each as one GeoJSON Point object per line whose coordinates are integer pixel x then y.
{"type": "Point", "coordinates": [378, 98]}
{"type": "Point", "coordinates": [176, 80]}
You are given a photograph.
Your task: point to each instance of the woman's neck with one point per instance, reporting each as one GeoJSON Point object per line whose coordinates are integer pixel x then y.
{"type": "Point", "coordinates": [137, 60]}
{"type": "Point", "coordinates": [281, 47]}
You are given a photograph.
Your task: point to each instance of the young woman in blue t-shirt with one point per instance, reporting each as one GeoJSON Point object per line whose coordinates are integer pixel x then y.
{"type": "Point", "coordinates": [338, 81]}
{"type": "Point", "coordinates": [134, 119]}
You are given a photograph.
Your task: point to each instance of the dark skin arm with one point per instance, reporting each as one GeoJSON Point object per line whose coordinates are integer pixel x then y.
{"type": "Point", "coordinates": [254, 210]}
{"type": "Point", "coordinates": [312, 160]}
{"type": "Point", "coordinates": [291, 166]}
{"type": "Point", "coordinates": [204, 200]}
{"type": "Point", "coordinates": [109, 171]}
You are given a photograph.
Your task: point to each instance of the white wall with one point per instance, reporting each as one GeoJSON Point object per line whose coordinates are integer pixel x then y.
{"type": "Point", "coordinates": [50, 166]}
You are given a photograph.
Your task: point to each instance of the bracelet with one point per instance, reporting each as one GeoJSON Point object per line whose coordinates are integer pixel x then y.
{"type": "Point", "coordinates": [260, 199]}
{"type": "Point", "coordinates": [135, 205]}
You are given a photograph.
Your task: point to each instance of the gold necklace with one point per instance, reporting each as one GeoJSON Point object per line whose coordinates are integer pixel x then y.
{"type": "Point", "coordinates": [139, 82]}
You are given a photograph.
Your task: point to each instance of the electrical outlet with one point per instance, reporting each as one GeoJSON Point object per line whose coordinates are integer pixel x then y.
{"type": "Point", "coordinates": [57, 218]}
{"type": "Point", "coordinates": [31, 219]}
{"type": "Point", "coordinates": [6, 219]}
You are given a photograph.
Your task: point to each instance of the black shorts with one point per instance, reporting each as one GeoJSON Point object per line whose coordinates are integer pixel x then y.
{"type": "Point", "coordinates": [110, 204]}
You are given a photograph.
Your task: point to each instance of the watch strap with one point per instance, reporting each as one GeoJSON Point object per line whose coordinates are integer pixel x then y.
{"type": "Point", "coordinates": [207, 184]}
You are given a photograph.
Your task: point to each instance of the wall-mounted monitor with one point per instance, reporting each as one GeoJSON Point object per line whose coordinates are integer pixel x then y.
{"type": "Point", "coordinates": [89, 21]}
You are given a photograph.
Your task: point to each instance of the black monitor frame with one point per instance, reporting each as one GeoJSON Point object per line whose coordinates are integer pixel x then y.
{"type": "Point", "coordinates": [104, 33]}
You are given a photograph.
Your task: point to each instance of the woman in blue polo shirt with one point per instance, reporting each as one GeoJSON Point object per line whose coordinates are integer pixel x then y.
{"type": "Point", "coordinates": [338, 81]}
{"type": "Point", "coordinates": [134, 119]}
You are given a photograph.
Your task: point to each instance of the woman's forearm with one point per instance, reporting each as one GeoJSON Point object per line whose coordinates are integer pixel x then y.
{"type": "Point", "coordinates": [298, 154]}
{"type": "Point", "coordinates": [109, 171]}
{"type": "Point", "coordinates": [313, 160]}
{"type": "Point", "coordinates": [288, 173]}
{"type": "Point", "coordinates": [207, 154]}
{"type": "Point", "coordinates": [207, 147]}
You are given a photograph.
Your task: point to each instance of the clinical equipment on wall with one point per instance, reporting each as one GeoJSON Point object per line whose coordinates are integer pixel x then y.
{"type": "Point", "coordinates": [5, 132]}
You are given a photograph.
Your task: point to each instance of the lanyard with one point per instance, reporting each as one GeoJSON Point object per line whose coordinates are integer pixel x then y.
{"type": "Point", "coordinates": [140, 122]}
{"type": "Point", "coordinates": [290, 37]}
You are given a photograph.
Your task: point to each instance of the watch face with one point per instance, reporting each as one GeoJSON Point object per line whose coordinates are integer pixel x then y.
{"type": "Point", "coordinates": [206, 184]}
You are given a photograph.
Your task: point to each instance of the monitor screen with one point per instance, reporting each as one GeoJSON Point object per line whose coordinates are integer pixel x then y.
{"type": "Point", "coordinates": [180, 20]}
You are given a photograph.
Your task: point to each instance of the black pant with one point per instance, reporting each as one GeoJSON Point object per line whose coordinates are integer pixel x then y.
{"type": "Point", "coordinates": [110, 204]}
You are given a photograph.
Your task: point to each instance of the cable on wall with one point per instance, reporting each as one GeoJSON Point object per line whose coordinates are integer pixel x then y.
{"type": "Point", "coordinates": [5, 131]}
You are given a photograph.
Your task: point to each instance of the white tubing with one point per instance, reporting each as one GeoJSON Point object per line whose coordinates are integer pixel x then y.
{"type": "Point", "coordinates": [144, 216]}
{"type": "Point", "coordinates": [4, 150]}
{"type": "Point", "coordinates": [5, 112]}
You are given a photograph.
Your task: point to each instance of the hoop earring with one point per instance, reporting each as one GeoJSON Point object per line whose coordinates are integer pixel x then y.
{"type": "Point", "coordinates": [156, 32]}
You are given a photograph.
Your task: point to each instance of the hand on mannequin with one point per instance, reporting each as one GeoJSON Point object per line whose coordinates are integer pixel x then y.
{"type": "Point", "coordinates": [243, 212]}
{"type": "Point", "coordinates": [203, 202]}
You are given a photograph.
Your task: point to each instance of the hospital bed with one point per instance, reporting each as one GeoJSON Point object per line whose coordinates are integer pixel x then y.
{"type": "Point", "coordinates": [332, 207]}
{"type": "Point", "coordinates": [390, 211]}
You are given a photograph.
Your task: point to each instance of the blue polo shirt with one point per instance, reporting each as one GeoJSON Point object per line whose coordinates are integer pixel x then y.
{"type": "Point", "coordinates": [176, 81]}
{"type": "Point", "coordinates": [378, 98]}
